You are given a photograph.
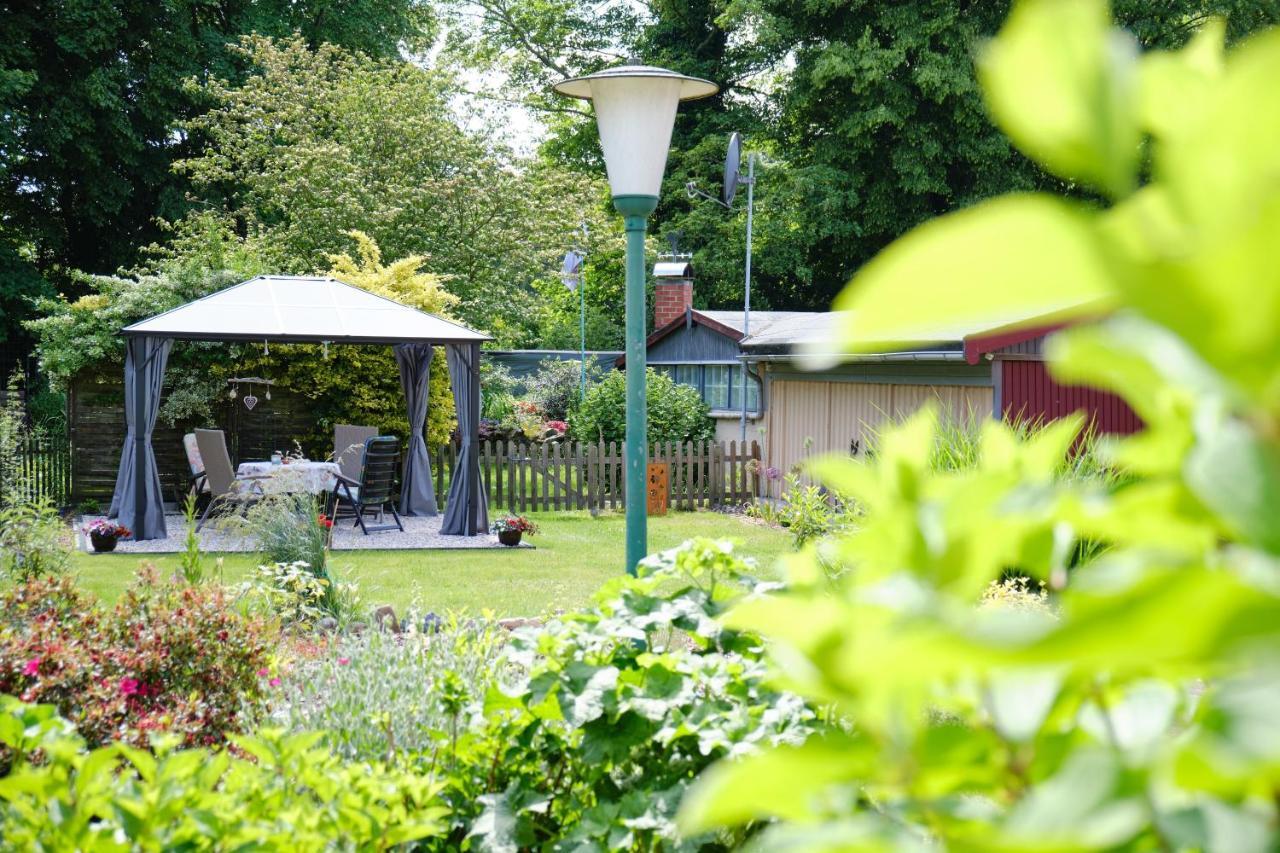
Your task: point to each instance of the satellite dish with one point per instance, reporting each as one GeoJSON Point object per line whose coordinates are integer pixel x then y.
{"type": "Point", "coordinates": [571, 270]}
{"type": "Point", "coordinates": [731, 162]}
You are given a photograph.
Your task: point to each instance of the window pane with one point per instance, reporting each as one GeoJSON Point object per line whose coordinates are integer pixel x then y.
{"type": "Point", "coordinates": [716, 392]}
{"type": "Point", "coordinates": [735, 391]}
{"type": "Point", "coordinates": [687, 374]}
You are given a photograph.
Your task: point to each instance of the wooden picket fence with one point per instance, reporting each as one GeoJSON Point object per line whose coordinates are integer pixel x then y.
{"type": "Point", "coordinates": [43, 469]}
{"type": "Point", "coordinates": [522, 477]}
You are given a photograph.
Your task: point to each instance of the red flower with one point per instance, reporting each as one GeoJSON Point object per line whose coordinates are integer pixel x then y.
{"type": "Point", "coordinates": [325, 521]}
{"type": "Point", "coordinates": [275, 682]}
{"type": "Point", "coordinates": [129, 687]}
{"type": "Point", "coordinates": [32, 668]}
{"type": "Point", "coordinates": [343, 661]}
{"type": "Point", "coordinates": [262, 673]}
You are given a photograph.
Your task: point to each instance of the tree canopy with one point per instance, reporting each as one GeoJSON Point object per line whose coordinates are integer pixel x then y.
{"type": "Point", "coordinates": [92, 94]}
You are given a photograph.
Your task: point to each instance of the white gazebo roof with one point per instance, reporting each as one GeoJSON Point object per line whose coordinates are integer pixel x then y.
{"type": "Point", "coordinates": [301, 309]}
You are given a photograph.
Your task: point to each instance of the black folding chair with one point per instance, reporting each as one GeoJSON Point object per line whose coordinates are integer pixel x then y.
{"type": "Point", "coordinates": [374, 491]}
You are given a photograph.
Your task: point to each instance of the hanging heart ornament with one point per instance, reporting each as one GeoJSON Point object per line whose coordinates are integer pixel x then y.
{"type": "Point", "coordinates": [250, 401]}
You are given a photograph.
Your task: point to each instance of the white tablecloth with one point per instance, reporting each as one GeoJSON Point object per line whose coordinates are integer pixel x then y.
{"type": "Point", "coordinates": [313, 477]}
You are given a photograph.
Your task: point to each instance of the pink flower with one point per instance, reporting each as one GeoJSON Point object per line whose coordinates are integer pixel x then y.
{"type": "Point", "coordinates": [275, 682]}
{"type": "Point", "coordinates": [32, 668]}
{"type": "Point", "coordinates": [343, 661]}
{"type": "Point", "coordinates": [129, 686]}
{"type": "Point", "coordinates": [262, 673]}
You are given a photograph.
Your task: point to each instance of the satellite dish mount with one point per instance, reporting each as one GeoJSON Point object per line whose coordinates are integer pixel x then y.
{"type": "Point", "coordinates": [733, 178]}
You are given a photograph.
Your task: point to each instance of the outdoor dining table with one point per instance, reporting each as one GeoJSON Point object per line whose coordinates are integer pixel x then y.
{"type": "Point", "coordinates": [301, 476]}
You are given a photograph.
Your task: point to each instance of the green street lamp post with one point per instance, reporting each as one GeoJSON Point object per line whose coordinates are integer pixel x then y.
{"type": "Point", "coordinates": [635, 109]}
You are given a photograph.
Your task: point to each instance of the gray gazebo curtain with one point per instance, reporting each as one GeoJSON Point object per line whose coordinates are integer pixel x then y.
{"type": "Point", "coordinates": [466, 512]}
{"type": "Point", "coordinates": [417, 495]}
{"type": "Point", "coordinates": [137, 502]}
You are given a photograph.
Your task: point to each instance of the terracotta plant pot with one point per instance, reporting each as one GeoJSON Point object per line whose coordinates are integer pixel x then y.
{"type": "Point", "coordinates": [510, 538]}
{"type": "Point", "coordinates": [103, 543]}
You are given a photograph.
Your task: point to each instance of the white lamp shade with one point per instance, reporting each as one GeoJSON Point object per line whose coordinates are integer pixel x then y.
{"type": "Point", "coordinates": [635, 111]}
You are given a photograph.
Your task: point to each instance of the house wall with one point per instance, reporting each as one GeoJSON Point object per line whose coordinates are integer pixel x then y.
{"type": "Point", "coordinates": [809, 417]}
{"type": "Point", "coordinates": [1028, 392]}
{"type": "Point", "coordinates": [730, 429]}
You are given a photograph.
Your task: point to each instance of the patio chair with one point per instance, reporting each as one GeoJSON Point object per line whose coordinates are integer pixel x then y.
{"type": "Point", "coordinates": [197, 483]}
{"type": "Point", "coordinates": [348, 447]}
{"type": "Point", "coordinates": [220, 476]}
{"type": "Point", "coordinates": [373, 491]}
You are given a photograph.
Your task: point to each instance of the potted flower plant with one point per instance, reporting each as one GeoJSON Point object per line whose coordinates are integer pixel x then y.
{"type": "Point", "coordinates": [510, 528]}
{"type": "Point", "coordinates": [104, 534]}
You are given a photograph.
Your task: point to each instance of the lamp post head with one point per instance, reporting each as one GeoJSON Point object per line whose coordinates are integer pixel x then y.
{"type": "Point", "coordinates": [635, 111]}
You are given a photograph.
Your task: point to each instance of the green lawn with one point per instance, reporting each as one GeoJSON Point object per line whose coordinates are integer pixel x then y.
{"type": "Point", "coordinates": [575, 554]}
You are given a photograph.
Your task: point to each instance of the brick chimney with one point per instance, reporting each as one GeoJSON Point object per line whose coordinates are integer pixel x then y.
{"type": "Point", "coordinates": [672, 289]}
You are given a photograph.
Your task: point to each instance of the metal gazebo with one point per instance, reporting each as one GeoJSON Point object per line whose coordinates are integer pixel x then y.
{"type": "Point", "coordinates": [300, 309]}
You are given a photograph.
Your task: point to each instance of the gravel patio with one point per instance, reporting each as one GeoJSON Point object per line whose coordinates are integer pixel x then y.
{"type": "Point", "coordinates": [420, 534]}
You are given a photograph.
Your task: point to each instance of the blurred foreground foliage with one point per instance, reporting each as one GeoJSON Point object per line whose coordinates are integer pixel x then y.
{"type": "Point", "coordinates": [1135, 710]}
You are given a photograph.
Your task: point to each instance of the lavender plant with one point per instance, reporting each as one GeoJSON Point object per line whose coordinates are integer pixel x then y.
{"type": "Point", "coordinates": [380, 695]}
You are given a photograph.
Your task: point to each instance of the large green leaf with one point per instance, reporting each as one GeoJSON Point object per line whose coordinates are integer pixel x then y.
{"type": "Point", "coordinates": [1175, 85]}
{"type": "Point", "coordinates": [784, 782]}
{"type": "Point", "coordinates": [1062, 83]}
{"type": "Point", "coordinates": [981, 269]}
{"type": "Point", "coordinates": [1237, 474]}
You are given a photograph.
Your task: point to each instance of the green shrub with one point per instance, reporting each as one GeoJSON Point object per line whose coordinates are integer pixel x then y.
{"type": "Point", "coordinates": [273, 792]}
{"type": "Point", "coordinates": [33, 540]}
{"type": "Point", "coordinates": [619, 707]}
{"type": "Point", "coordinates": [808, 511]}
{"type": "Point", "coordinates": [556, 389]}
{"type": "Point", "coordinates": [676, 412]}
{"type": "Point", "coordinates": [378, 695]}
{"type": "Point", "coordinates": [168, 657]}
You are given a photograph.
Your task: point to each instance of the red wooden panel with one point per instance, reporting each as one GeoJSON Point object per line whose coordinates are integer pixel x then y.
{"type": "Point", "coordinates": [1030, 393]}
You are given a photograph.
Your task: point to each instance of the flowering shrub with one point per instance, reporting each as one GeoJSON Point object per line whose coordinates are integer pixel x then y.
{"type": "Point", "coordinates": [556, 426]}
{"type": "Point", "coordinates": [514, 524]}
{"type": "Point", "coordinates": [106, 527]}
{"type": "Point", "coordinates": [276, 792]}
{"type": "Point", "coordinates": [168, 657]}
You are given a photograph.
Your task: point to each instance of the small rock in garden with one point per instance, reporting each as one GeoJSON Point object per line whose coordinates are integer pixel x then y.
{"type": "Point", "coordinates": [512, 624]}
{"type": "Point", "coordinates": [327, 625]}
{"type": "Point", "coordinates": [385, 617]}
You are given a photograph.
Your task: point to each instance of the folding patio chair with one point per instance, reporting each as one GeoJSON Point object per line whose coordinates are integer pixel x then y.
{"type": "Point", "coordinates": [197, 483]}
{"type": "Point", "coordinates": [220, 476]}
{"type": "Point", "coordinates": [348, 447]}
{"type": "Point", "coordinates": [373, 491]}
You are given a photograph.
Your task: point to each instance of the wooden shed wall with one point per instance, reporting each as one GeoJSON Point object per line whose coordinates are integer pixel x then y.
{"type": "Point", "coordinates": [808, 418]}
{"type": "Point", "coordinates": [692, 345]}
{"type": "Point", "coordinates": [97, 429]}
{"type": "Point", "coordinates": [1028, 392]}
